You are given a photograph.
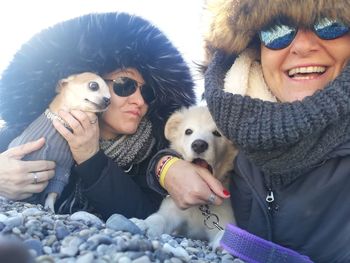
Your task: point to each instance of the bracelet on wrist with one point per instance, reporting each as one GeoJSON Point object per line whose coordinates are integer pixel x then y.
{"type": "Point", "coordinates": [162, 165]}
{"type": "Point", "coordinates": [164, 169]}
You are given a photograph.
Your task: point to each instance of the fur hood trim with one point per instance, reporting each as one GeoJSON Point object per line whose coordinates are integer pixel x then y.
{"type": "Point", "coordinates": [233, 24]}
{"type": "Point", "coordinates": [97, 43]}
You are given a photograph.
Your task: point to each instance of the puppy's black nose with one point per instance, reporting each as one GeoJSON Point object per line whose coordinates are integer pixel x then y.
{"type": "Point", "coordinates": [106, 101]}
{"type": "Point", "coordinates": [199, 146]}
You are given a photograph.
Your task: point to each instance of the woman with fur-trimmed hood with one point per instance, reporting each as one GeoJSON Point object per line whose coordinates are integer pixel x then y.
{"type": "Point", "coordinates": [277, 83]}
{"type": "Point", "coordinates": [123, 49]}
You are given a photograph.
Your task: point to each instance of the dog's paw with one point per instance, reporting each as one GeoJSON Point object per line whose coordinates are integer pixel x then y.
{"type": "Point", "coordinates": [155, 226]}
{"type": "Point", "coordinates": [50, 208]}
{"type": "Point", "coordinates": [215, 242]}
{"type": "Point", "coordinates": [50, 202]}
{"type": "Point", "coordinates": [49, 205]}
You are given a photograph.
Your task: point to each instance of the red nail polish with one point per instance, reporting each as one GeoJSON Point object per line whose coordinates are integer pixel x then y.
{"type": "Point", "coordinates": [227, 193]}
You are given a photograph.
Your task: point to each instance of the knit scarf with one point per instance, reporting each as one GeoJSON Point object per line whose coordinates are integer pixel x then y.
{"type": "Point", "coordinates": [283, 139]}
{"type": "Point", "coordinates": [126, 150]}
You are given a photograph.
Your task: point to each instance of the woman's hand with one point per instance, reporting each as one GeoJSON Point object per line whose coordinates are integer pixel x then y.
{"type": "Point", "coordinates": [189, 185]}
{"type": "Point", "coordinates": [83, 140]}
{"type": "Point", "coordinates": [17, 177]}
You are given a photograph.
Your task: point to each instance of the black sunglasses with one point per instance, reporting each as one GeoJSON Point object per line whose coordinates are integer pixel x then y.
{"type": "Point", "coordinates": [125, 86]}
{"type": "Point", "coordinates": [280, 35]}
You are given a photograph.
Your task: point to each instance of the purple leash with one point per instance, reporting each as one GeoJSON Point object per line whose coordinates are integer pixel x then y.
{"type": "Point", "coordinates": [254, 249]}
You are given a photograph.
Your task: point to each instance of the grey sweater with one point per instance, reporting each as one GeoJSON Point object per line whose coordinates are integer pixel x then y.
{"type": "Point", "coordinates": [55, 149]}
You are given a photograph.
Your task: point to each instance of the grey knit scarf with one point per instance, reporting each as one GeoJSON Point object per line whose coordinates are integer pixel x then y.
{"type": "Point", "coordinates": [126, 150]}
{"type": "Point", "coordinates": [282, 139]}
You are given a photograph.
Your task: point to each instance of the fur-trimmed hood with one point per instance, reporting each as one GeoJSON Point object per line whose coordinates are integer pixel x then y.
{"type": "Point", "coordinates": [233, 24]}
{"type": "Point", "coordinates": [97, 43]}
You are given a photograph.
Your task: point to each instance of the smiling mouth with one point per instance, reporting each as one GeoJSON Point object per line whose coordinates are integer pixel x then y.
{"type": "Point", "coordinates": [303, 73]}
{"type": "Point", "coordinates": [203, 163]}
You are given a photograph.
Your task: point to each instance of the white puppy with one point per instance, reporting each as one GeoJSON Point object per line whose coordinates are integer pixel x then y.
{"type": "Point", "coordinates": [86, 91]}
{"type": "Point", "coordinates": [193, 133]}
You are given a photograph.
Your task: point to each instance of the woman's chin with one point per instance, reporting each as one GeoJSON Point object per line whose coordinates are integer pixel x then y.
{"type": "Point", "coordinates": [130, 130]}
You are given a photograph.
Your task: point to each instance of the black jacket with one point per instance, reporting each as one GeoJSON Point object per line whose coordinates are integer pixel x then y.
{"type": "Point", "coordinates": [109, 189]}
{"type": "Point", "coordinates": [295, 219]}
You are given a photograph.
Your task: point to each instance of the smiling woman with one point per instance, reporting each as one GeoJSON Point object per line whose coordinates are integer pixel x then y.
{"type": "Point", "coordinates": [292, 167]}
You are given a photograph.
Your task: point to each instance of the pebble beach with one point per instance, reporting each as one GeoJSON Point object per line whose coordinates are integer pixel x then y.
{"type": "Point", "coordinates": [84, 238]}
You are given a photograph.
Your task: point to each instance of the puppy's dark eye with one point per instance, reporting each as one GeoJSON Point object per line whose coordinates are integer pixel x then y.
{"type": "Point", "coordinates": [216, 133]}
{"type": "Point", "coordinates": [93, 86]}
{"type": "Point", "coordinates": [188, 132]}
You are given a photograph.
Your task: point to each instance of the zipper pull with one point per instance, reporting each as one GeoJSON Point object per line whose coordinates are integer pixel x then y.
{"type": "Point", "coordinates": [269, 197]}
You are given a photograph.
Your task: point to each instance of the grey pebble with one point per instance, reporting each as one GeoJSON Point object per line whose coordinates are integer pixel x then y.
{"type": "Point", "coordinates": [124, 260]}
{"type": "Point", "coordinates": [47, 250]}
{"type": "Point", "coordinates": [45, 259]}
{"type": "Point", "coordinates": [32, 211]}
{"type": "Point", "coordinates": [177, 251]}
{"type": "Point", "coordinates": [35, 245]}
{"type": "Point", "coordinates": [175, 260]}
{"type": "Point", "coordinates": [86, 258]}
{"type": "Point", "coordinates": [61, 232]}
{"type": "Point", "coordinates": [86, 218]}
{"type": "Point", "coordinates": [143, 259]}
{"type": "Point", "coordinates": [237, 260]}
{"type": "Point", "coordinates": [70, 245]}
{"type": "Point", "coordinates": [121, 223]}
{"type": "Point", "coordinates": [3, 218]}
{"type": "Point", "coordinates": [14, 221]}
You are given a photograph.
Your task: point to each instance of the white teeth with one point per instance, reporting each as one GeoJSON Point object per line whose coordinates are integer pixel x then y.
{"type": "Point", "coordinates": [316, 69]}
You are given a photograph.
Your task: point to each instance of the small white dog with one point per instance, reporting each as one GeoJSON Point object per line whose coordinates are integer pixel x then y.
{"type": "Point", "coordinates": [193, 133]}
{"type": "Point", "coordinates": [85, 91]}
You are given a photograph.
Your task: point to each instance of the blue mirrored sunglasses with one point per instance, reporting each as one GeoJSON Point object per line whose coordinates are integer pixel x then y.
{"type": "Point", "coordinates": [280, 35]}
{"type": "Point", "coordinates": [125, 86]}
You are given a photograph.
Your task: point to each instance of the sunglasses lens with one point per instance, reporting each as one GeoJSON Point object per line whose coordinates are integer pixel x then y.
{"type": "Point", "coordinates": [124, 87]}
{"type": "Point", "coordinates": [328, 29]}
{"type": "Point", "coordinates": [278, 36]}
{"type": "Point", "coordinates": [148, 94]}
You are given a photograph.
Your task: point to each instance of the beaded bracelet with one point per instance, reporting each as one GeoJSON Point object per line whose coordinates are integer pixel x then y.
{"type": "Point", "coordinates": [162, 165]}
{"type": "Point", "coordinates": [165, 169]}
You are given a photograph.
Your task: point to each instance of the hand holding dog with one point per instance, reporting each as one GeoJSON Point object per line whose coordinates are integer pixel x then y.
{"type": "Point", "coordinates": [84, 140]}
{"type": "Point", "coordinates": [193, 185]}
{"type": "Point", "coordinates": [16, 176]}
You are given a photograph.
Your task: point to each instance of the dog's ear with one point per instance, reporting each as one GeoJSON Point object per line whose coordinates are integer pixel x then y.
{"type": "Point", "coordinates": [172, 125]}
{"type": "Point", "coordinates": [61, 84]}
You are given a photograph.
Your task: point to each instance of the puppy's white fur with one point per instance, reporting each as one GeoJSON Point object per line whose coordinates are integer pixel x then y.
{"type": "Point", "coordinates": [183, 128]}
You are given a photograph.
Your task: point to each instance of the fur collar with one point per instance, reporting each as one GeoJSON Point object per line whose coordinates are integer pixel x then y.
{"type": "Point", "coordinates": [245, 77]}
